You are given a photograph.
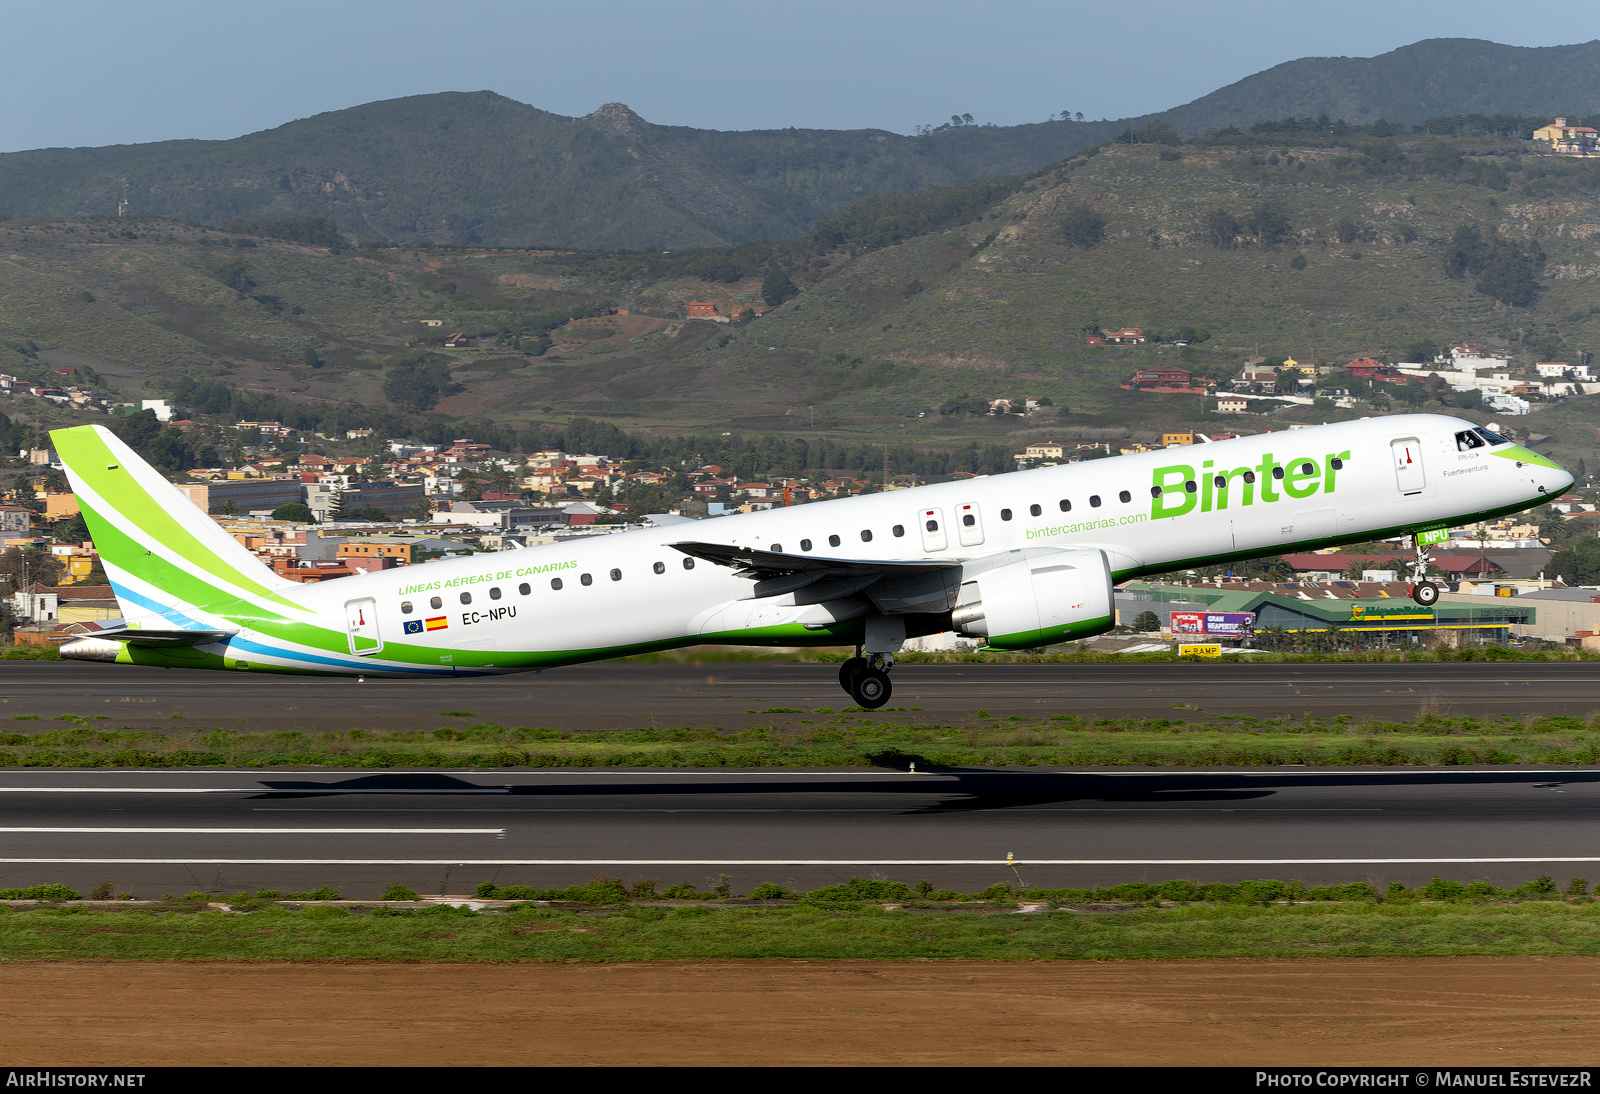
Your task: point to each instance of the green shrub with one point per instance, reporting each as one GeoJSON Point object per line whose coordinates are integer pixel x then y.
{"type": "Point", "coordinates": [861, 888]}
{"type": "Point", "coordinates": [769, 890]}
{"type": "Point", "coordinates": [399, 892]}
{"type": "Point", "coordinates": [324, 893]}
{"type": "Point", "coordinates": [52, 891]}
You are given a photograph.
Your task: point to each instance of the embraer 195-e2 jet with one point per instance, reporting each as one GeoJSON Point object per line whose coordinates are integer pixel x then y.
{"type": "Point", "coordinates": [1019, 560]}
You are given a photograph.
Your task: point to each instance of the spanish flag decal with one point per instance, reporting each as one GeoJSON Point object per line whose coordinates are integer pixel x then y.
{"type": "Point", "coordinates": [438, 623]}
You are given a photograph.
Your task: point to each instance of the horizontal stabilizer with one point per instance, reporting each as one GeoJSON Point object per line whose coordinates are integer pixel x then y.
{"type": "Point", "coordinates": [147, 636]}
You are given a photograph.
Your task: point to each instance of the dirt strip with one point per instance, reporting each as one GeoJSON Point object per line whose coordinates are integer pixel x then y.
{"type": "Point", "coordinates": [1457, 1011]}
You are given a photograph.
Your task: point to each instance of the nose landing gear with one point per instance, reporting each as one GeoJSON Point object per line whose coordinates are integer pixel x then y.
{"type": "Point", "coordinates": [1423, 591]}
{"type": "Point", "coordinates": [866, 679]}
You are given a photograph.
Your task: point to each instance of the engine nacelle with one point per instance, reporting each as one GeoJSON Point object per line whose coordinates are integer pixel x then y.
{"type": "Point", "coordinates": [1040, 600]}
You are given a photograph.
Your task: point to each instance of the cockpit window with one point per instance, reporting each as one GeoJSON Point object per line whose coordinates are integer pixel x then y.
{"type": "Point", "coordinates": [1492, 438]}
{"type": "Point", "coordinates": [1468, 439]}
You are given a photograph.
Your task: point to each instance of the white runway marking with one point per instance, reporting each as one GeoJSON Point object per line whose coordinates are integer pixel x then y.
{"type": "Point", "coordinates": [1008, 811]}
{"type": "Point", "coordinates": [802, 862]}
{"type": "Point", "coordinates": [240, 790]}
{"type": "Point", "coordinates": [276, 831]}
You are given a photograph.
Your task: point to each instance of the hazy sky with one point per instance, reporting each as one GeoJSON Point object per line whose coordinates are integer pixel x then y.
{"type": "Point", "coordinates": [93, 72]}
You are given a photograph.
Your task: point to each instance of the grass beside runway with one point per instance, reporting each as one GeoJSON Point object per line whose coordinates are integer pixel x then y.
{"type": "Point", "coordinates": [818, 930]}
{"type": "Point", "coordinates": [828, 737]}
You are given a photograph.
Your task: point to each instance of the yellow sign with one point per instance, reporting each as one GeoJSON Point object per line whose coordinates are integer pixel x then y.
{"type": "Point", "coordinates": [1200, 650]}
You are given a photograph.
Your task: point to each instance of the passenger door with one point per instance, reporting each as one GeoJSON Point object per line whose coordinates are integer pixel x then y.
{"type": "Point", "coordinates": [971, 525]}
{"type": "Point", "coordinates": [933, 533]}
{"type": "Point", "coordinates": [361, 621]}
{"type": "Point", "coordinates": [1408, 472]}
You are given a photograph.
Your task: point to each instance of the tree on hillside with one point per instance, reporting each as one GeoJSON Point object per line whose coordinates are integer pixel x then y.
{"type": "Point", "coordinates": [1145, 622]}
{"type": "Point", "coordinates": [1083, 227]}
{"type": "Point", "coordinates": [1157, 131]}
{"type": "Point", "coordinates": [1222, 229]}
{"type": "Point", "coordinates": [1506, 269]}
{"type": "Point", "coordinates": [418, 383]}
{"type": "Point", "coordinates": [776, 287]}
{"type": "Point", "coordinates": [1578, 564]}
{"type": "Point", "coordinates": [1268, 224]}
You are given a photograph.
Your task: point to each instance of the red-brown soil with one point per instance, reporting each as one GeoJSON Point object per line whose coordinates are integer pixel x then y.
{"type": "Point", "coordinates": [1445, 1011]}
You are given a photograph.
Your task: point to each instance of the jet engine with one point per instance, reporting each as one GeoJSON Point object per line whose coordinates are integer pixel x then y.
{"type": "Point", "coordinates": [1039, 600]}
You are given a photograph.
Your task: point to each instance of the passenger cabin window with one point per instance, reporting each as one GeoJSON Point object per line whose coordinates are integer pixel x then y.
{"type": "Point", "coordinates": [1308, 468]}
{"type": "Point", "coordinates": [1094, 501]}
{"type": "Point", "coordinates": [776, 548]}
{"type": "Point", "coordinates": [1005, 514]}
{"type": "Point", "coordinates": [405, 607]}
{"type": "Point", "coordinates": [1277, 472]}
{"type": "Point", "coordinates": [866, 535]}
{"type": "Point", "coordinates": [688, 564]}
{"type": "Point", "coordinates": [1220, 482]}
{"type": "Point", "coordinates": [805, 545]}
{"type": "Point", "coordinates": [968, 519]}
{"type": "Point", "coordinates": [555, 583]}
{"type": "Point", "coordinates": [524, 588]}
{"type": "Point", "coordinates": [494, 592]}
{"type": "Point", "coordinates": [1337, 464]}
{"type": "Point", "coordinates": [1066, 506]}
{"type": "Point", "coordinates": [1191, 486]}
{"type": "Point", "coordinates": [1125, 496]}
{"type": "Point", "coordinates": [833, 541]}
{"type": "Point", "coordinates": [660, 567]}
{"type": "Point", "coordinates": [1155, 491]}
{"type": "Point", "coordinates": [466, 598]}
{"type": "Point", "coordinates": [616, 575]}
{"type": "Point", "coordinates": [1249, 476]}
{"type": "Point", "coordinates": [1035, 510]}
{"type": "Point", "coordinates": [435, 602]}
{"type": "Point", "coordinates": [899, 531]}
{"type": "Point", "coordinates": [932, 526]}
{"type": "Point", "coordinates": [1468, 439]}
{"type": "Point", "coordinates": [585, 579]}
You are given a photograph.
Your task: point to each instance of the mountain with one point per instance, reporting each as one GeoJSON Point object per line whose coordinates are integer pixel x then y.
{"type": "Point", "coordinates": [1433, 78]}
{"type": "Point", "coordinates": [478, 168]}
{"type": "Point", "coordinates": [470, 168]}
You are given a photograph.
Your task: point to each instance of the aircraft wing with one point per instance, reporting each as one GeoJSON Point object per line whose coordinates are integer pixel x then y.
{"type": "Point", "coordinates": [760, 565]}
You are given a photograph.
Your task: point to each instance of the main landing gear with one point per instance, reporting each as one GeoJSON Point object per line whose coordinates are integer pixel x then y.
{"type": "Point", "coordinates": [1424, 592]}
{"type": "Point", "coordinates": [867, 679]}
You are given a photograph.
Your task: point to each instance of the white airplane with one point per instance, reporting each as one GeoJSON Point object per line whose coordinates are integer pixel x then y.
{"type": "Point", "coordinates": [1020, 560]}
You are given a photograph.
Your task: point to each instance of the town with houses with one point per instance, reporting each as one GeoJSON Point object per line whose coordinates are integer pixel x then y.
{"type": "Point", "coordinates": [326, 512]}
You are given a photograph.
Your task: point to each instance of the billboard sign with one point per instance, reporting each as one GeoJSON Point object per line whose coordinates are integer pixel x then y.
{"type": "Point", "coordinates": [1221, 624]}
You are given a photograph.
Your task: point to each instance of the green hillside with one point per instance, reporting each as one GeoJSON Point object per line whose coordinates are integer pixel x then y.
{"type": "Point", "coordinates": [906, 313]}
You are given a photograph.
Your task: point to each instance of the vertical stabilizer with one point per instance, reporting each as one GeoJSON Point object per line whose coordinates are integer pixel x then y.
{"type": "Point", "coordinates": [163, 555]}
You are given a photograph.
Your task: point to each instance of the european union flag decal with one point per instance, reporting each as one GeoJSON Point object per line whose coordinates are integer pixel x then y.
{"type": "Point", "coordinates": [413, 626]}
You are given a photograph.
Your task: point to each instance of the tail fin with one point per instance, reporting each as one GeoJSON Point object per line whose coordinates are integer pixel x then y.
{"type": "Point", "coordinates": [165, 557]}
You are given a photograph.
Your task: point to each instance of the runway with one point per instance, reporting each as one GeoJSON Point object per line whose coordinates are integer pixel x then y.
{"type": "Point", "coordinates": [442, 832]}
{"type": "Point", "coordinates": [729, 694]}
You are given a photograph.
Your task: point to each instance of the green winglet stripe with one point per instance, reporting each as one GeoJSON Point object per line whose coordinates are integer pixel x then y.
{"type": "Point", "coordinates": [89, 457]}
{"type": "Point", "coordinates": [1526, 455]}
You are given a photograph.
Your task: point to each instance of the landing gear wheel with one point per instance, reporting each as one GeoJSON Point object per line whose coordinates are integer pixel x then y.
{"type": "Point", "coordinates": [848, 672]}
{"type": "Point", "coordinates": [871, 689]}
{"type": "Point", "coordinates": [1425, 593]}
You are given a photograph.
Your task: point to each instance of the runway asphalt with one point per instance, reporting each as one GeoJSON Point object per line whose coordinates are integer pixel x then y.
{"type": "Point", "coordinates": [442, 832]}
{"type": "Point", "coordinates": [730, 694]}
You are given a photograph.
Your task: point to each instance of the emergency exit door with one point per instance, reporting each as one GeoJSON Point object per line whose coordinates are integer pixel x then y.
{"type": "Point", "coordinates": [361, 620]}
{"type": "Point", "coordinates": [1408, 472]}
{"type": "Point", "coordinates": [933, 533]}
